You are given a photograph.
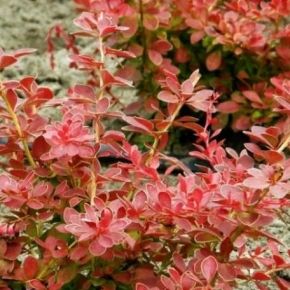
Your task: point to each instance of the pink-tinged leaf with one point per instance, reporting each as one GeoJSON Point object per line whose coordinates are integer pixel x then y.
{"type": "Point", "coordinates": [173, 85]}
{"type": "Point", "coordinates": [161, 45]}
{"type": "Point", "coordinates": [155, 57]}
{"type": "Point", "coordinates": [37, 285]}
{"type": "Point", "coordinates": [96, 249]}
{"type": "Point", "coordinates": [10, 84]}
{"type": "Point", "coordinates": [141, 286]}
{"type": "Point", "coordinates": [35, 204]}
{"type": "Point", "coordinates": [245, 263]}
{"type": "Point", "coordinates": [282, 283]}
{"type": "Point", "coordinates": [261, 276]}
{"type": "Point", "coordinates": [106, 218]}
{"type": "Point", "coordinates": [168, 283]}
{"type": "Point", "coordinates": [131, 22]}
{"type": "Point", "coordinates": [196, 36]}
{"type": "Point", "coordinates": [227, 272]}
{"type": "Point", "coordinates": [140, 123]}
{"type": "Point", "coordinates": [86, 62]}
{"type": "Point", "coordinates": [256, 182]}
{"type": "Point", "coordinates": [209, 267]}
{"type": "Point", "coordinates": [110, 80]}
{"type": "Point", "coordinates": [11, 97]}
{"type": "Point", "coordinates": [228, 107]}
{"type": "Point", "coordinates": [201, 95]}
{"type": "Point", "coordinates": [83, 91]}
{"type": "Point", "coordinates": [213, 61]}
{"type": "Point", "coordinates": [119, 53]}
{"type": "Point", "coordinates": [167, 97]}
{"type": "Point", "coordinates": [102, 106]}
{"type": "Point", "coordinates": [7, 60]}
{"type": "Point", "coordinates": [252, 96]}
{"type": "Point", "coordinates": [30, 267]}
{"type": "Point", "coordinates": [24, 51]}
{"type": "Point", "coordinates": [187, 87]}
{"type": "Point", "coordinates": [151, 22]}
{"type": "Point", "coordinates": [164, 199]}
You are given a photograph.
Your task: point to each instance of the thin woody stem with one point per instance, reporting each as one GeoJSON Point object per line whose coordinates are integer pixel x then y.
{"type": "Point", "coordinates": [18, 129]}
{"type": "Point", "coordinates": [165, 130]}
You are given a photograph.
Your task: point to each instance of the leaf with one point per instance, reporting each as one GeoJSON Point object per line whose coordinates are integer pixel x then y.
{"type": "Point", "coordinates": [261, 276]}
{"type": "Point", "coordinates": [110, 80]}
{"type": "Point", "coordinates": [141, 286]}
{"type": "Point", "coordinates": [252, 96]}
{"type": "Point", "coordinates": [168, 97]}
{"type": "Point", "coordinates": [66, 274]}
{"type": "Point", "coordinates": [213, 61]}
{"type": "Point", "coordinates": [150, 22]}
{"type": "Point", "coordinates": [102, 106]}
{"type": "Point", "coordinates": [196, 36]}
{"type": "Point", "coordinates": [39, 147]}
{"type": "Point", "coordinates": [11, 97]}
{"type": "Point", "coordinates": [140, 123]}
{"type": "Point", "coordinates": [7, 60]}
{"type": "Point", "coordinates": [256, 182]}
{"type": "Point", "coordinates": [187, 87]}
{"type": "Point", "coordinates": [96, 249]}
{"type": "Point", "coordinates": [209, 267]}
{"type": "Point", "coordinates": [30, 267]}
{"type": "Point", "coordinates": [228, 107]}
{"type": "Point", "coordinates": [164, 199]}
{"type": "Point", "coordinates": [119, 53]}
{"type": "Point", "coordinates": [24, 51]}
{"type": "Point", "coordinates": [155, 57]}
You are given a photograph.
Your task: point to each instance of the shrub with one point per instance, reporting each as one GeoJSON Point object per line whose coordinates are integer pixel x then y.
{"type": "Point", "coordinates": [76, 222]}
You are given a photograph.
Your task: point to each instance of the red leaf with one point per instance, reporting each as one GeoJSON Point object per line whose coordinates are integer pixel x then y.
{"type": "Point", "coordinates": [164, 199]}
{"type": "Point", "coordinates": [6, 60]}
{"type": "Point", "coordinates": [11, 98]}
{"type": "Point", "coordinates": [30, 267]}
{"type": "Point", "coordinates": [209, 267]}
{"type": "Point", "coordinates": [261, 276]}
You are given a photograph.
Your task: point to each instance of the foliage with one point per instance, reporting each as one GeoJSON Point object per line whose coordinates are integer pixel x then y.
{"type": "Point", "coordinates": [74, 223]}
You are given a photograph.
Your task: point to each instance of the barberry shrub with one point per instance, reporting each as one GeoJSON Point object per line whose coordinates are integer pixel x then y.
{"type": "Point", "coordinates": [73, 221]}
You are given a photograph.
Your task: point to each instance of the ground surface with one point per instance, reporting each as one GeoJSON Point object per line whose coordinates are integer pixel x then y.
{"type": "Point", "coordinates": [24, 24]}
